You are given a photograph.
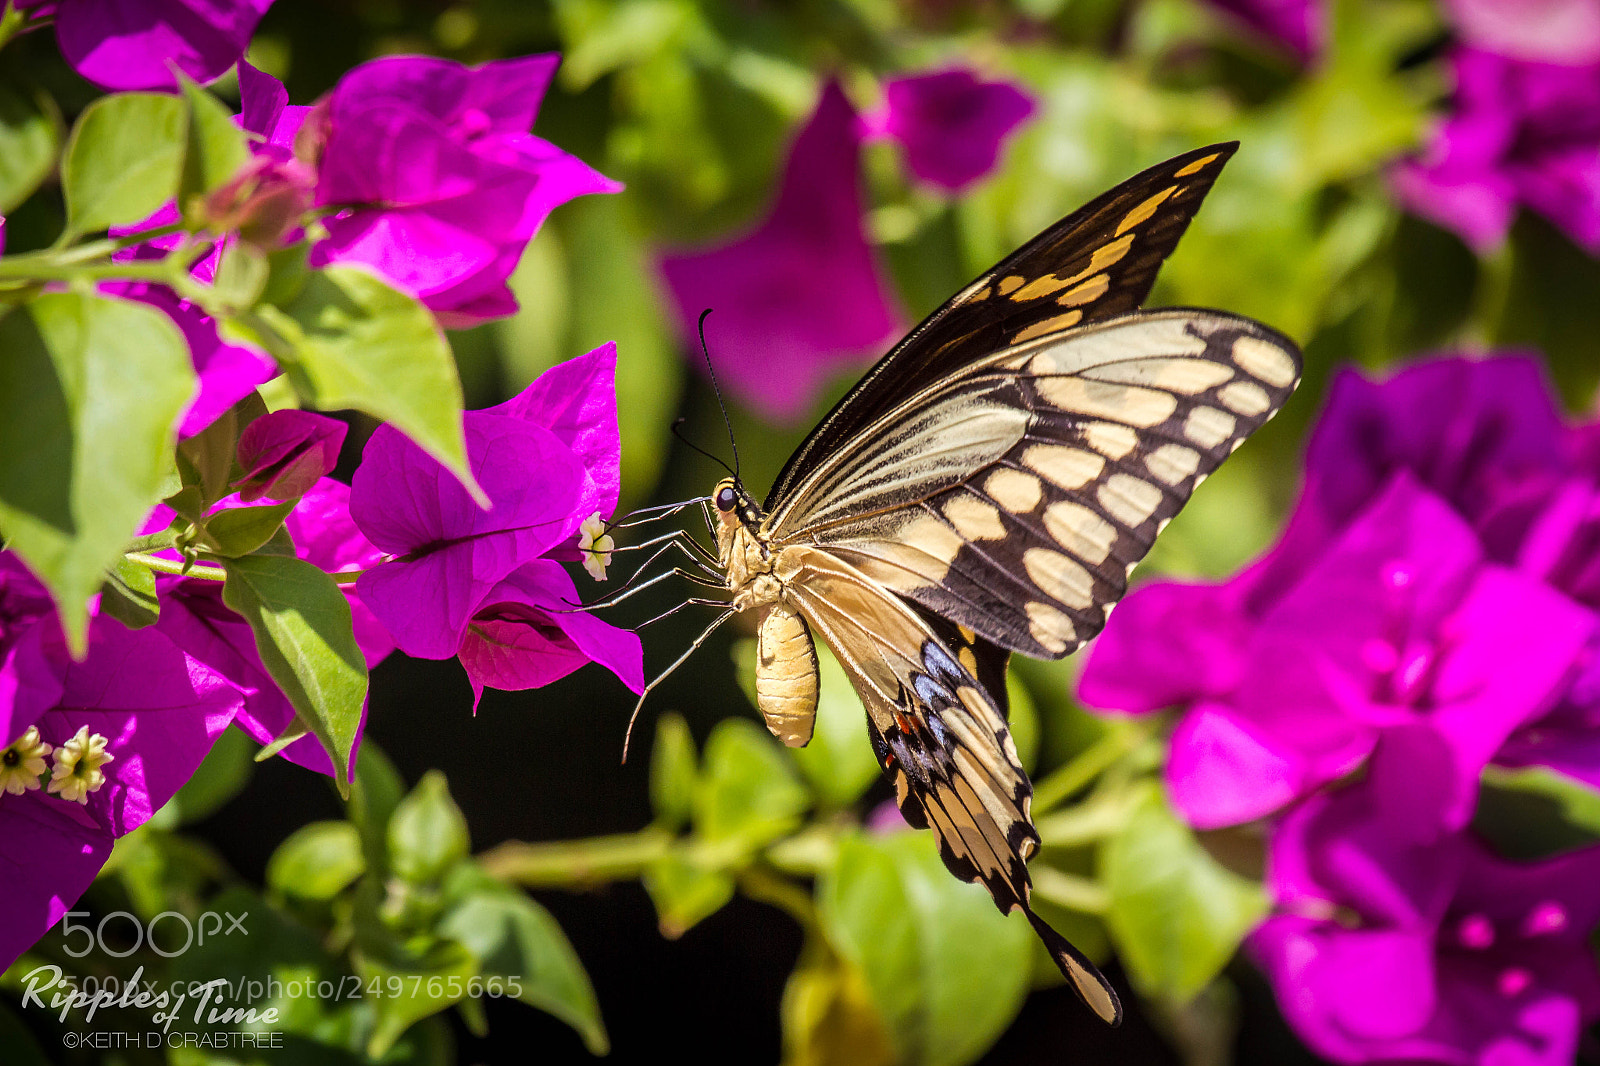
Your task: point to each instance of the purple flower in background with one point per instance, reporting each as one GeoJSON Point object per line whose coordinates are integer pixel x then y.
{"type": "Point", "coordinates": [950, 124]}
{"type": "Point", "coordinates": [1555, 31]}
{"type": "Point", "coordinates": [285, 453]}
{"type": "Point", "coordinates": [91, 749]}
{"type": "Point", "coordinates": [1301, 25]}
{"type": "Point", "coordinates": [440, 182]}
{"type": "Point", "coordinates": [799, 297]}
{"type": "Point", "coordinates": [1387, 949]}
{"type": "Point", "coordinates": [133, 44]}
{"type": "Point", "coordinates": [1523, 133]}
{"type": "Point", "coordinates": [1400, 633]}
{"type": "Point", "coordinates": [480, 583]}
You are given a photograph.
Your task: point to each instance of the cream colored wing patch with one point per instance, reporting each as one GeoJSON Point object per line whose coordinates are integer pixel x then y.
{"type": "Point", "coordinates": [1016, 498]}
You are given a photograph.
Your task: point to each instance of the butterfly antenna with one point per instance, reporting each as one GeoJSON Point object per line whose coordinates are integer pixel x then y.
{"type": "Point", "coordinates": [700, 327]}
{"type": "Point", "coordinates": [677, 432]}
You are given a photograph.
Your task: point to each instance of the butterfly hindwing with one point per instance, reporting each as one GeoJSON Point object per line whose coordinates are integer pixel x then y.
{"type": "Point", "coordinates": [1096, 263]}
{"type": "Point", "coordinates": [942, 738]}
{"type": "Point", "coordinates": [1015, 497]}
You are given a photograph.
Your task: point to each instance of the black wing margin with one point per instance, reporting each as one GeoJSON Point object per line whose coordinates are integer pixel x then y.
{"type": "Point", "coordinates": [1098, 262]}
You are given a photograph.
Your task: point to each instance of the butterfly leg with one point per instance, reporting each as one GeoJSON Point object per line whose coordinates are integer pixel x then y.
{"type": "Point", "coordinates": [653, 514]}
{"type": "Point", "coordinates": [694, 601]}
{"type": "Point", "coordinates": [701, 639]}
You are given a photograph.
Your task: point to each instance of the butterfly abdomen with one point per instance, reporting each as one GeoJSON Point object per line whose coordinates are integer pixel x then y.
{"type": "Point", "coordinates": [786, 676]}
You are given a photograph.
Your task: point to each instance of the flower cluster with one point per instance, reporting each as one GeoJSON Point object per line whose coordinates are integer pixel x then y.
{"type": "Point", "coordinates": [1429, 610]}
{"type": "Point", "coordinates": [420, 170]}
{"type": "Point", "coordinates": [94, 748]}
{"type": "Point", "coordinates": [801, 296]}
{"type": "Point", "coordinates": [1525, 127]}
{"type": "Point", "coordinates": [488, 587]}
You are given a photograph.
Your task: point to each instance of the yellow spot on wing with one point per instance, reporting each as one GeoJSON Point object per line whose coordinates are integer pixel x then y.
{"type": "Point", "coordinates": [1070, 468]}
{"type": "Point", "coordinates": [1209, 427]}
{"type": "Point", "coordinates": [1266, 361]}
{"type": "Point", "coordinates": [974, 519]}
{"type": "Point", "coordinates": [1052, 629]}
{"type": "Point", "coordinates": [1128, 499]}
{"type": "Point", "coordinates": [1197, 166]}
{"type": "Point", "coordinates": [1080, 531]}
{"type": "Point", "coordinates": [1172, 462]}
{"type": "Point", "coordinates": [1049, 325]}
{"type": "Point", "coordinates": [1144, 210]}
{"type": "Point", "coordinates": [1086, 292]}
{"type": "Point", "coordinates": [1010, 285]}
{"type": "Point", "coordinates": [1245, 397]}
{"type": "Point", "coordinates": [1061, 577]}
{"type": "Point", "coordinates": [1104, 399]}
{"type": "Point", "coordinates": [1014, 490]}
{"type": "Point", "coordinates": [1109, 439]}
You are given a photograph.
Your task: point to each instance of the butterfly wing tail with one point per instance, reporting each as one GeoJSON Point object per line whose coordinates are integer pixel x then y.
{"type": "Point", "coordinates": [1090, 984]}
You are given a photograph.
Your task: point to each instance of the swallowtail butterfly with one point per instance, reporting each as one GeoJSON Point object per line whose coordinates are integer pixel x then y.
{"type": "Point", "coordinates": [986, 489]}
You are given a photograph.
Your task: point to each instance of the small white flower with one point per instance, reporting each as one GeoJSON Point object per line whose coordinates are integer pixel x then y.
{"type": "Point", "coordinates": [22, 762]}
{"type": "Point", "coordinates": [77, 769]}
{"type": "Point", "coordinates": [596, 546]}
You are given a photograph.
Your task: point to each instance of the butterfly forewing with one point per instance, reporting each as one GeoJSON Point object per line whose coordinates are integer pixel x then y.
{"type": "Point", "coordinates": [1098, 262]}
{"type": "Point", "coordinates": [1014, 497]}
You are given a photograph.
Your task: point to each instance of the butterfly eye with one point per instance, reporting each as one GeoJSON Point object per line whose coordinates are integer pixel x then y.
{"type": "Point", "coordinates": [727, 499]}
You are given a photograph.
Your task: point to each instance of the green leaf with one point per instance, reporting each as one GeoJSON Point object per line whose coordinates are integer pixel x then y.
{"type": "Point", "coordinates": [427, 835]}
{"type": "Point", "coordinates": [208, 460]}
{"type": "Point", "coordinates": [1535, 812]}
{"type": "Point", "coordinates": [129, 595]}
{"type": "Point", "coordinates": [514, 937]}
{"type": "Point", "coordinates": [270, 944]}
{"type": "Point", "coordinates": [685, 893]}
{"type": "Point", "coordinates": [123, 160]}
{"type": "Point", "coordinates": [242, 275]}
{"type": "Point", "coordinates": [426, 987]}
{"type": "Point", "coordinates": [947, 971]}
{"type": "Point", "coordinates": [239, 531]}
{"type": "Point", "coordinates": [377, 791]}
{"type": "Point", "coordinates": [828, 1015]}
{"type": "Point", "coordinates": [602, 37]}
{"type": "Point", "coordinates": [1176, 915]}
{"type": "Point", "coordinates": [302, 628]}
{"type": "Point", "coordinates": [748, 791]}
{"type": "Point", "coordinates": [358, 343]}
{"type": "Point", "coordinates": [90, 394]}
{"type": "Point", "coordinates": [672, 771]}
{"type": "Point", "coordinates": [221, 776]}
{"type": "Point", "coordinates": [317, 862]}
{"type": "Point", "coordinates": [215, 149]}
{"type": "Point", "coordinates": [30, 137]}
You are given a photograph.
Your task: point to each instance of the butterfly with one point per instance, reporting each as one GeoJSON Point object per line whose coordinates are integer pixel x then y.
{"type": "Point", "coordinates": [985, 489]}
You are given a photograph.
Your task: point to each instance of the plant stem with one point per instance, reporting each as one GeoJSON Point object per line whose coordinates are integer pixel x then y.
{"type": "Point", "coordinates": [175, 566]}
{"type": "Point", "coordinates": [1069, 890]}
{"type": "Point", "coordinates": [1066, 780]}
{"type": "Point", "coordinates": [202, 572]}
{"type": "Point", "coordinates": [766, 886]}
{"type": "Point", "coordinates": [577, 863]}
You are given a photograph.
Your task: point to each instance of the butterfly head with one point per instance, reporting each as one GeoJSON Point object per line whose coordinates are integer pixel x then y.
{"type": "Point", "coordinates": [735, 505]}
